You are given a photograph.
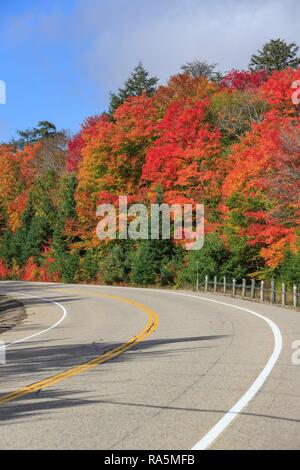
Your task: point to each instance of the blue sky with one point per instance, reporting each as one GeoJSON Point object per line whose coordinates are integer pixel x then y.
{"type": "Point", "coordinates": [60, 58]}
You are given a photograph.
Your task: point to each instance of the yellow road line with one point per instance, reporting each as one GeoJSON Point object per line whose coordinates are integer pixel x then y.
{"type": "Point", "coordinates": [148, 330]}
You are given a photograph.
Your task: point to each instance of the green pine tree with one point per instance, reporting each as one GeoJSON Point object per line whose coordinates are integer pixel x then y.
{"type": "Point", "coordinates": [144, 265]}
{"type": "Point", "coordinates": [44, 129]}
{"type": "Point", "coordinates": [275, 55]}
{"type": "Point", "coordinates": [155, 261]}
{"type": "Point", "coordinates": [139, 82]}
{"type": "Point", "coordinates": [66, 262]}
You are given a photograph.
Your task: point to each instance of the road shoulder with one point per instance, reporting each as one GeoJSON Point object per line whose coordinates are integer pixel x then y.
{"type": "Point", "coordinates": [12, 312]}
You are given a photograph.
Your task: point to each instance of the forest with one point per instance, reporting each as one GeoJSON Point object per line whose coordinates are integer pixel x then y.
{"type": "Point", "coordinates": [230, 141]}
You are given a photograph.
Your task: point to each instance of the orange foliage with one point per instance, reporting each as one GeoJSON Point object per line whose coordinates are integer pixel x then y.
{"type": "Point", "coordinates": [184, 159]}
{"type": "Point", "coordinates": [278, 91]}
{"type": "Point", "coordinates": [183, 86]}
{"type": "Point", "coordinates": [16, 178]}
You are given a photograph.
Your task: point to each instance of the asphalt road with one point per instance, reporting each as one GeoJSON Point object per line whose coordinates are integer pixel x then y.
{"type": "Point", "coordinates": [119, 368]}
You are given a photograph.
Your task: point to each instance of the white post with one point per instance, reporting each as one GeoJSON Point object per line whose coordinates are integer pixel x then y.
{"type": "Point", "coordinates": [244, 288]}
{"type": "Point", "coordinates": [262, 296]}
{"type": "Point", "coordinates": [233, 286]}
{"type": "Point", "coordinates": [283, 294]}
{"type": "Point", "coordinates": [295, 295]}
{"type": "Point", "coordinates": [215, 284]}
{"type": "Point", "coordinates": [206, 283]}
{"type": "Point", "coordinates": [224, 284]}
{"type": "Point", "coordinates": [252, 288]}
{"type": "Point", "coordinates": [273, 292]}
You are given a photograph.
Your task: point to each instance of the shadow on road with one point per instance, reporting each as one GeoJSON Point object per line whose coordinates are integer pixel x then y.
{"type": "Point", "coordinates": [40, 405]}
{"type": "Point", "coordinates": [42, 360]}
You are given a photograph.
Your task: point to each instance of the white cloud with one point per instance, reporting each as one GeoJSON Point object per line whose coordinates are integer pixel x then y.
{"type": "Point", "coordinates": [108, 38]}
{"type": "Point", "coordinates": [164, 35]}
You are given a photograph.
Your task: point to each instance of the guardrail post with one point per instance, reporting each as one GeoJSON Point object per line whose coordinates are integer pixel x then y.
{"type": "Point", "coordinates": [215, 284]}
{"type": "Point", "coordinates": [244, 288]}
{"type": "Point", "coordinates": [197, 280]}
{"type": "Point", "coordinates": [283, 294]}
{"type": "Point", "coordinates": [252, 288]}
{"type": "Point", "coordinates": [206, 283]}
{"type": "Point", "coordinates": [273, 292]}
{"type": "Point", "coordinates": [224, 284]}
{"type": "Point", "coordinates": [295, 295]}
{"type": "Point", "coordinates": [262, 291]}
{"type": "Point", "coordinates": [233, 286]}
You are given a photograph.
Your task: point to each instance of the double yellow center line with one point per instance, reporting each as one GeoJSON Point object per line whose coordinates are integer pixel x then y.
{"type": "Point", "coordinates": [107, 356]}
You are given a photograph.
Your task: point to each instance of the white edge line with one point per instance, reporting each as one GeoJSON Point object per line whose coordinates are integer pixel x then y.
{"type": "Point", "coordinates": [207, 440]}
{"type": "Point", "coordinates": [222, 424]}
{"type": "Point", "coordinates": [65, 313]}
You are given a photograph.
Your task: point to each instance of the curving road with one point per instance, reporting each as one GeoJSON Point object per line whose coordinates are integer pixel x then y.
{"type": "Point", "coordinates": [121, 368]}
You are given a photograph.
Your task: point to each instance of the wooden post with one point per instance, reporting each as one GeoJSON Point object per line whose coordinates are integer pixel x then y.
{"type": "Point", "coordinates": [224, 284]}
{"type": "Point", "coordinates": [206, 283]}
{"type": "Point", "coordinates": [283, 294]}
{"type": "Point", "coordinates": [244, 288]}
{"type": "Point", "coordinates": [215, 284]}
{"type": "Point", "coordinates": [233, 286]}
{"type": "Point", "coordinates": [262, 292]}
{"type": "Point", "coordinates": [273, 292]}
{"type": "Point", "coordinates": [252, 288]}
{"type": "Point", "coordinates": [295, 296]}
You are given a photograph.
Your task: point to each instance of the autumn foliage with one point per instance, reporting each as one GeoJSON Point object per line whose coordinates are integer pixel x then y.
{"type": "Point", "coordinates": [233, 146]}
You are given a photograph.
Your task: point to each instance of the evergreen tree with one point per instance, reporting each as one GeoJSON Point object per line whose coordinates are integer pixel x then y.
{"type": "Point", "coordinates": [37, 224]}
{"type": "Point", "coordinates": [44, 129]}
{"type": "Point", "coordinates": [144, 266]}
{"type": "Point", "coordinates": [66, 262]}
{"type": "Point", "coordinates": [6, 251]}
{"type": "Point", "coordinates": [90, 266]}
{"type": "Point", "coordinates": [114, 267]}
{"type": "Point", "coordinates": [199, 68]}
{"type": "Point", "coordinates": [153, 260]}
{"type": "Point", "coordinates": [139, 82]}
{"type": "Point", "coordinates": [275, 55]}
{"type": "Point", "coordinates": [39, 218]}
{"type": "Point", "coordinates": [289, 271]}
{"type": "Point", "coordinates": [210, 260]}
{"type": "Point", "coordinates": [66, 196]}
